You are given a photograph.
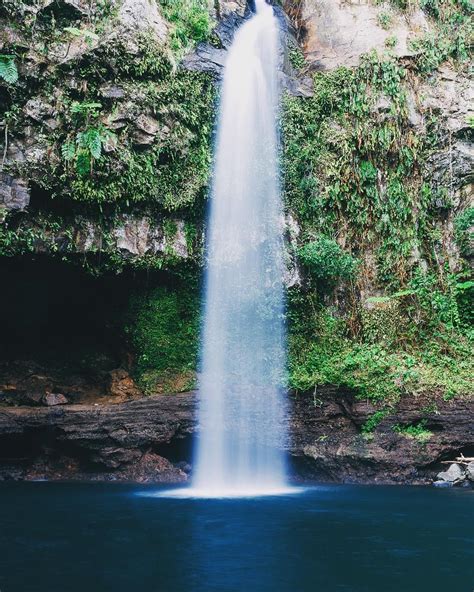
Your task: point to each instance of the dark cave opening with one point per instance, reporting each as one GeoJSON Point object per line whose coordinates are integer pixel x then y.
{"type": "Point", "coordinates": [63, 329]}
{"type": "Point", "coordinates": [49, 309]}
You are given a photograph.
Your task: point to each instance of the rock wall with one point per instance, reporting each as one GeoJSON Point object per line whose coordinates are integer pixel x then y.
{"type": "Point", "coordinates": [106, 125]}
{"type": "Point", "coordinates": [143, 439]}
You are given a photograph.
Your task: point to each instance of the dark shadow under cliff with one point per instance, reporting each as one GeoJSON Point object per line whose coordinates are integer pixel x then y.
{"type": "Point", "coordinates": [63, 330]}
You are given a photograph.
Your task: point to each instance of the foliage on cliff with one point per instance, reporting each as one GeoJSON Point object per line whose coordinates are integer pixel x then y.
{"type": "Point", "coordinates": [107, 127]}
{"type": "Point", "coordinates": [357, 170]}
{"type": "Point", "coordinates": [163, 327]}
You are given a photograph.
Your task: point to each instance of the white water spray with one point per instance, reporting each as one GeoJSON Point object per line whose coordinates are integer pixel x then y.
{"type": "Point", "coordinates": [243, 358]}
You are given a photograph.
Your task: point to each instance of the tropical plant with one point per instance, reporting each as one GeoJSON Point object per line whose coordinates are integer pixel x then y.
{"type": "Point", "coordinates": [326, 261]}
{"type": "Point", "coordinates": [8, 69]}
{"type": "Point", "coordinates": [87, 145]}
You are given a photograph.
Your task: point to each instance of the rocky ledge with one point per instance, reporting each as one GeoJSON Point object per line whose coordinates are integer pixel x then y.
{"type": "Point", "coordinates": [149, 439]}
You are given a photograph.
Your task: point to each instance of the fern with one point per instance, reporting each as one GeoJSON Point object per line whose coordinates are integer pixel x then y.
{"type": "Point", "coordinates": [89, 142]}
{"type": "Point", "coordinates": [92, 140]}
{"type": "Point", "coordinates": [8, 69]}
{"type": "Point", "coordinates": [86, 109]}
{"type": "Point", "coordinates": [83, 163]}
{"type": "Point", "coordinates": [68, 151]}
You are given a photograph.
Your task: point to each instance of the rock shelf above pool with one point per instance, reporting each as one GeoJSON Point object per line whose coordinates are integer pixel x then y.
{"type": "Point", "coordinates": [149, 439]}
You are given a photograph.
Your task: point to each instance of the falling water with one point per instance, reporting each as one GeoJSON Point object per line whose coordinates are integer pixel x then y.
{"type": "Point", "coordinates": [243, 357]}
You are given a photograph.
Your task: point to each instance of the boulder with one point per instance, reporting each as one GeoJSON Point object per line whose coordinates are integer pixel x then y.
{"type": "Point", "coordinates": [147, 130]}
{"type": "Point", "coordinates": [338, 33]}
{"type": "Point", "coordinates": [121, 384]}
{"type": "Point", "coordinates": [470, 471]}
{"type": "Point", "coordinates": [53, 399]}
{"type": "Point", "coordinates": [443, 484]}
{"type": "Point", "coordinates": [453, 475]}
{"type": "Point", "coordinates": [112, 91]}
{"type": "Point", "coordinates": [137, 17]}
{"type": "Point", "coordinates": [450, 95]}
{"type": "Point", "coordinates": [39, 110]}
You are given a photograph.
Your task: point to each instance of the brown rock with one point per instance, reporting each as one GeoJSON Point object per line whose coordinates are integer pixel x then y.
{"type": "Point", "coordinates": [114, 441]}
{"type": "Point", "coordinates": [14, 193]}
{"type": "Point", "coordinates": [52, 399]}
{"type": "Point", "coordinates": [121, 384]}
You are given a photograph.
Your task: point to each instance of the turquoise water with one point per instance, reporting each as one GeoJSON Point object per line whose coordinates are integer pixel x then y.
{"type": "Point", "coordinates": [110, 537]}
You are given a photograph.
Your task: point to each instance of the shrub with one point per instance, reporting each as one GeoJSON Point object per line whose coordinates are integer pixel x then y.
{"type": "Point", "coordinates": [163, 330]}
{"type": "Point", "coordinates": [326, 261]}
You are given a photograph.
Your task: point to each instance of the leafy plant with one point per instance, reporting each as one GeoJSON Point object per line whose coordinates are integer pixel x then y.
{"type": "Point", "coordinates": [373, 421]}
{"type": "Point", "coordinates": [87, 146]}
{"type": "Point", "coordinates": [163, 327]}
{"type": "Point", "coordinates": [417, 431]}
{"type": "Point", "coordinates": [384, 19]}
{"type": "Point", "coordinates": [8, 69]}
{"type": "Point", "coordinates": [190, 22]}
{"type": "Point", "coordinates": [463, 231]}
{"type": "Point", "coordinates": [326, 261]}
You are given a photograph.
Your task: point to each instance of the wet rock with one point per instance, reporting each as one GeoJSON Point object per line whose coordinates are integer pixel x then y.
{"type": "Point", "coordinates": [453, 166]}
{"type": "Point", "coordinates": [14, 193]}
{"type": "Point", "coordinates": [292, 274]}
{"type": "Point", "coordinates": [443, 484]}
{"type": "Point", "coordinates": [339, 33]}
{"type": "Point", "coordinates": [230, 7]}
{"type": "Point", "coordinates": [112, 91]}
{"type": "Point", "coordinates": [138, 17]}
{"type": "Point", "coordinates": [53, 399]}
{"type": "Point", "coordinates": [206, 59]}
{"type": "Point", "coordinates": [470, 471]}
{"type": "Point", "coordinates": [110, 441]}
{"type": "Point", "coordinates": [453, 475]}
{"type": "Point", "coordinates": [326, 441]}
{"type": "Point", "coordinates": [184, 466]}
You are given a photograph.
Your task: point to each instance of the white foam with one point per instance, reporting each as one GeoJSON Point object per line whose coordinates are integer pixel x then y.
{"type": "Point", "coordinates": [195, 493]}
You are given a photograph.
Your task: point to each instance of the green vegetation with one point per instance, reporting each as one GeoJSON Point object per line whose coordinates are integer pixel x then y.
{"type": "Point", "coordinates": [8, 69]}
{"type": "Point", "coordinates": [326, 261]}
{"type": "Point", "coordinates": [296, 57]}
{"type": "Point", "coordinates": [384, 19]}
{"type": "Point", "coordinates": [190, 23]}
{"type": "Point", "coordinates": [354, 168]}
{"type": "Point", "coordinates": [87, 147]}
{"type": "Point", "coordinates": [374, 420]}
{"type": "Point", "coordinates": [381, 311]}
{"type": "Point", "coordinates": [463, 229]}
{"type": "Point", "coordinates": [326, 349]}
{"type": "Point", "coordinates": [163, 327]}
{"type": "Point", "coordinates": [348, 166]}
{"type": "Point", "coordinates": [172, 170]}
{"type": "Point", "coordinates": [416, 432]}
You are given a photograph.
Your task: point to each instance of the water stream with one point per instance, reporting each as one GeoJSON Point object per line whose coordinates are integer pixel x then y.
{"type": "Point", "coordinates": [243, 354]}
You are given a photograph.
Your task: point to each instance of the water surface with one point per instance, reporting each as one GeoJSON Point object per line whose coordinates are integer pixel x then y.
{"type": "Point", "coordinates": [109, 537]}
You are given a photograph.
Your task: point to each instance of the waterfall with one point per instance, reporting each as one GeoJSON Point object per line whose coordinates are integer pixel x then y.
{"type": "Point", "coordinates": [242, 402]}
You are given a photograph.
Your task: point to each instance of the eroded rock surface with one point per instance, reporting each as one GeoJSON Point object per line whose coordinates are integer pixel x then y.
{"type": "Point", "coordinates": [139, 439]}
{"type": "Point", "coordinates": [338, 33]}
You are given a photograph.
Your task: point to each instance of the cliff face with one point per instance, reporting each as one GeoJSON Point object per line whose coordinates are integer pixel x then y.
{"type": "Point", "coordinates": [149, 440]}
{"type": "Point", "coordinates": [106, 115]}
